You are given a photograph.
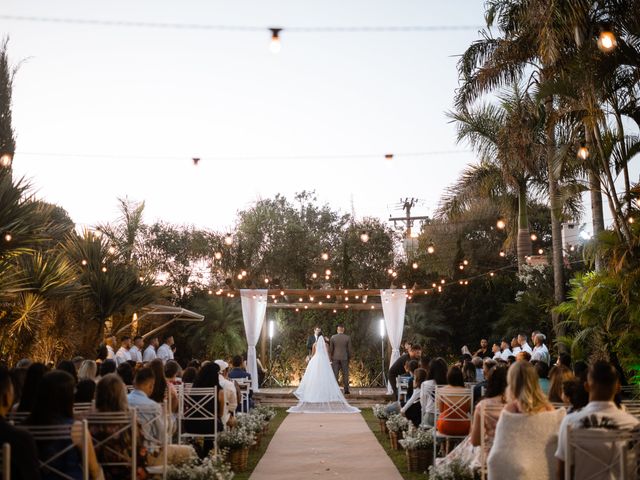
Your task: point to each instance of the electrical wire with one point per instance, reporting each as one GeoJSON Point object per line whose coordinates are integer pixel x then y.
{"type": "Point", "coordinates": [237, 28]}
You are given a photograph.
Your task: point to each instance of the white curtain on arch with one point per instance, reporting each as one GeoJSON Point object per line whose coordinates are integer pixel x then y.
{"type": "Point", "coordinates": [394, 303]}
{"type": "Point", "coordinates": [254, 309]}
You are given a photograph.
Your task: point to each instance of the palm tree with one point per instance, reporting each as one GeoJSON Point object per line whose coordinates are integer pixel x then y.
{"type": "Point", "coordinates": [508, 140]}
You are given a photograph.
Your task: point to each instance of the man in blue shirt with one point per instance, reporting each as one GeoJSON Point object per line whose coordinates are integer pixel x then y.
{"type": "Point", "coordinates": [149, 413]}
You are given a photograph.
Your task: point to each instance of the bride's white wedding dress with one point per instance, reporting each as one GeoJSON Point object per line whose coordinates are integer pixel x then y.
{"type": "Point", "coordinates": [318, 391]}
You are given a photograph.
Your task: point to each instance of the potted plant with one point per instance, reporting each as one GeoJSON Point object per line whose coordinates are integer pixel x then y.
{"type": "Point", "coordinates": [381, 414]}
{"type": "Point", "coordinates": [397, 424]}
{"type": "Point", "coordinates": [252, 422]}
{"type": "Point", "coordinates": [236, 443]}
{"type": "Point", "coordinates": [418, 446]}
{"type": "Point", "coordinates": [267, 413]}
{"type": "Point", "coordinates": [454, 470]}
{"type": "Point", "coordinates": [211, 468]}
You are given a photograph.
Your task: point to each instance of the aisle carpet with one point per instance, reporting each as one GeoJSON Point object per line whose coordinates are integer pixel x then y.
{"type": "Point", "coordinates": [325, 446]}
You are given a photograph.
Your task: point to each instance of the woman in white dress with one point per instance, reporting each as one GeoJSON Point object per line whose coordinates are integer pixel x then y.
{"type": "Point", "coordinates": [318, 391]}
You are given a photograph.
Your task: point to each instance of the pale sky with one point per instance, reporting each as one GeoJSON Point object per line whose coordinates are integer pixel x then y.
{"type": "Point", "coordinates": [98, 109]}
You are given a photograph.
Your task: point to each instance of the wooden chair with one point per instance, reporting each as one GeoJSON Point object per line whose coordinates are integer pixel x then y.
{"type": "Point", "coordinates": [601, 454]}
{"type": "Point", "coordinates": [457, 408]}
{"type": "Point", "coordinates": [193, 408]}
{"type": "Point", "coordinates": [106, 428]}
{"type": "Point", "coordinates": [5, 461]}
{"type": "Point", "coordinates": [60, 434]}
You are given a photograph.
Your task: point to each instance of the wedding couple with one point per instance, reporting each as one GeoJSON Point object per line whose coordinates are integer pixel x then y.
{"type": "Point", "coordinates": [319, 391]}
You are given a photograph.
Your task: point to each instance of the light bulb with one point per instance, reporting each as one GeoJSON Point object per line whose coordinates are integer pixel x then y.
{"type": "Point", "coordinates": [607, 41]}
{"type": "Point", "coordinates": [325, 256]}
{"type": "Point", "coordinates": [364, 237]}
{"type": "Point", "coordinates": [275, 45]}
{"type": "Point", "coordinates": [502, 254]}
{"type": "Point", "coordinates": [239, 276]}
{"type": "Point", "coordinates": [540, 251]}
{"type": "Point", "coordinates": [631, 220]}
{"type": "Point", "coordinates": [461, 267]}
{"type": "Point", "coordinates": [491, 274]}
{"type": "Point", "coordinates": [394, 274]}
{"type": "Point", "coordinates": [465, 262]}
{"type": "Point", "coordinates": [431, 248]}
{"type": "Point", "coordinates": [217, 255]}
{"type": "Point", "coordinates": [534, 237]}
{"type": "Point", "coordinates": [501, 224]}
{"type": "Point", "coordinates": [84, 263]}
{"type": "Point", "coordinates": [243, 273]}
{"type": "Point", "coordinates": [266, 281]}
{"type": "Point", "coordinates": [327, 272]}
{"type": "Point", "coordinates": [415, 265]}
{"type": "Point", "coordinates": [5, 160]}
{"type": "Point", "coordinates": [228, 239]}
{"type": "Point", "coordinates": [104, 269]}
{"type": "Point", "coordinates": [390, 271]}
{"type": "Point", "coordinates": [112, 249]}
{"type": "Point", "coordinates": [583, 152]}
{"type": "Point", "coordinates": [314, 275]}
{"type": "Point", "coordinates": [442, 281]}
{"type": "Point", "coordinates": [7, 237]}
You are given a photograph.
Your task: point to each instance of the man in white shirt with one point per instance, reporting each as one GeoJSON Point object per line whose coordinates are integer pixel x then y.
{"type": "Point", "coordinates": [601, 412]}
{"type": "Point", "coordinates": [111, 342]}
{"type": "Point", "coordinates": [495, 349]}
{"type": "Point", "coordinates": [136, 350]}
{"type": "Point", "coordinates": [123, 355]}
{"type": "Point", "coordinates": [540, 351]}
{"type": "Point", "coordinates": [506, 352]}
{"type": "Point", "coordinates": [230, 391]}
{"type": "Point", "coordinates": [150, 351]}
{"type": "Point", "coordinates": [164, 352]}
{"type": "Point", "coordinates": [524, 346]}
{"type": "Point", "coordinates": [515, 346]}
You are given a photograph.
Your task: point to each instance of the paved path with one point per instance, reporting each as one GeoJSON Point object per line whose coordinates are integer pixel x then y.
{"type": "Point", "coordinates": [309, 446]}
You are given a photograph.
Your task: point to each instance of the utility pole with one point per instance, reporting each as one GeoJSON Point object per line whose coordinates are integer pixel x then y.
{"type": "Point", "coordinates": [407, 205]}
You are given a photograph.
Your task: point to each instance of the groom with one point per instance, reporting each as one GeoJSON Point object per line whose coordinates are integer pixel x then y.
{"type": "Point", "coordinates": [340, 353]}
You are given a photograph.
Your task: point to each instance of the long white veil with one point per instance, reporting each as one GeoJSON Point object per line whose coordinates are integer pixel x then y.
{"type": "Point", "coordinates": [318, 391]}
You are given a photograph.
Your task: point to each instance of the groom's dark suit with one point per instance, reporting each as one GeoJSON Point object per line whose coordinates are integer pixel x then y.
{"type": "Point", "coordinates": [340, 353]}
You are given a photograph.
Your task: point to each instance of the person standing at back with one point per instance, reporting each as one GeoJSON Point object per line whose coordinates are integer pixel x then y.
{"type": "Point", "coordinates": [397, 369]}
{"type": "Point", "coordinates": [311, 341]}
{"type": "Point", "coordinates": [150, 351]}
{"type": "Point", "coordinates": [164, 352]}
{"type": "Point", "coordinates": [340, 354]}
{"type": "Point", "coordinates": [136, 349]}
{"type": "Point", "coordinates": [123, 355]}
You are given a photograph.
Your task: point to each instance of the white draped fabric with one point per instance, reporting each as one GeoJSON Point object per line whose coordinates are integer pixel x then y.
{"type": "Point", "coordinates": [393, 307]}
{"type": "Point", "coordinates": [254, 308]}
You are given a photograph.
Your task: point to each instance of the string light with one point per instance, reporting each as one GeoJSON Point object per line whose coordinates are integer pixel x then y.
{"type": "Point", "coordinates": [104, 269]}
{"type": "Point", "coordinates": [534, 237]}
{"type": "Point", "coordinates": [7, 237]}
{"type": "Point", "coordinates": [228, 239]}
{"type": "Point", "coordinates": [607, 41]}
{"type": "Point", "coordinates": [239, 276]}
{"type": "Point", "coordinates": [491, 274]}
{"type": "Point", "coordinates": [141, 279]}
{"type": "Point", "coordinates": [210, 292]}
{"type": "Point", "coordinates": [275, 45]}
{"type": "Point", "coordinates": [390, 271]}
{"type": "Point", "coordinates": [630, 220]}
{"type": "Point", "coordinates": [394, 274]}
{"type": "Point", "coordinates": [501, 224]}
{"type": "Point", "coordinates": [327, 272]}
{"type": "Point", "coordinates": [325, 256]}
{"type": "Point", "coordinates": [112, 249]}
{"type": "Point", "coordinates": [465, 262]}
{"type": "Point", "coordinates": [266, 281]}
{"type": "Point", "coordinates": [415, 265]}
{"type": "Point", "coordinates": [431, 249]}
{"type": "Point", "coordinates": [583, 152]}
{"type": "Point", "coordinates": [5, 160]}
{"type": "Point", "coordinates": [243, 273]}
{"type": "Point", "coordinates": [540, 251]}
{"type": "Point", "coordinates": [461, 267]}
{"type": "Point", "coordinates": [84, 262]}
{"type": "Point", "coordinates": [502, 254]}
{"type": "Point", "coordinates": [442, 281]}
{"type": "Point", "coordinates": [314, 275]}
{"type": "Point", "coordinates": [364, 236]}
{"type": "Point", "coordinates": [217, 255]}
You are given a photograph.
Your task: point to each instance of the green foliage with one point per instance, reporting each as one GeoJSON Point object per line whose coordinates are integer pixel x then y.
{"type": "Point", "coordinates": [7, 140]}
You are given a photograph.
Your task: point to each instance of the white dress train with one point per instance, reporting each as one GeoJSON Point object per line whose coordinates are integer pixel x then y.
{"type": "Point", "coordinates": [318, 391]}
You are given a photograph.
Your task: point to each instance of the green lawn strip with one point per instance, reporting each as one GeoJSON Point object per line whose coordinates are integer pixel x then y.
{"type": "Point", "coordinates": [398, 457]}
{"type": "Point", "coordinates": [256, 455]}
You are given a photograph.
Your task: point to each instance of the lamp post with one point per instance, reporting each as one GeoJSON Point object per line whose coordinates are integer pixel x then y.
{"type": "Point", "coordinates": [272, 328]}
{"type": "Point", "coordinates": [382, 331]}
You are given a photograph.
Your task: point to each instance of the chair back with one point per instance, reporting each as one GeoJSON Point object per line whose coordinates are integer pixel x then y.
{"type": "Point", "coordinates": [599, 454]}
{"type": "Point", "coordinates": [402, 383]}
{"type": "Point", "coordinates": [244, 384]}
{"type": "Point", "coordinates": [489, 414]}
{"type": "Point", "coordinates": [156, 430]}
{"type": "Point", "coordinates": [108, 431]}
{"type": "Point", "coordinates": [456, 404]}
{"type": "Point", "coordinates": [427, 398]}
{"type": "Point", "coordinates": [61, 437]}
{"type": "Point", "coordinates": [632, 407]}
{"type": "Point", "coordinates": [5, 461]}
{"type": "Point", "coordinates": [17, 418]}
{"type": "Point", "coordinates": [81, 409]}
{"type": "Point", "coordinates": [193, 407]}
{"type": "Point", "coordinates": [631, 392]}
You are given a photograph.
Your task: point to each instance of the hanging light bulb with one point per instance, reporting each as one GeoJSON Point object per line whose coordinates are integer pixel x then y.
{"type": "Point", "coordinates": [217, 255]}
{"type": "Point", "coordinates": [104, 269]}
{"type": "Point", "coordinates": [461, 267]}
{"type": "Point", "coordinates": [364, 236]}
{"type": "Point", "coordinates": [534, 237]}
{"type": "Point", "coordinates": [442, 281]}
{"type": "Point", "coordinates": [239, 276]}
{"type": "Point", "coordinates": [631, 220]}
{"type": "Point", "coordinates": [540, 251]}
{"type": "Point", "coordinates": [491, 274]}
{"type": "Point", "coordinates": [325, 256]}
{"type": "Point", "coordinates": [275, 45]}
{"type": "Point", "coordinates": [501, 224]}
{"type": "Point", "coordinates": [84, 262]}
{"type": "Point", "coordinates": [465, 262]}
{"type": "Point", "coordinates": [243, 273]}
{"type": "Point", "coordinates": [327, 272]}
{"type": "Point", "coordinates": [431, 248]}
{"type": "Point", "coordinates": [414, 265]}
{"type": "Point", "coordinates": [607, 41]}
{"type": "Point", "coordinates": [314, 275]}
{"type": "Point", "coordinates": [394, 274]}
{"type": "Point", "coordinates": [7, 237]}
{"type": "Point", "coordinates": [228, 239]}
{"type": "Point", "coordinates": [266, 281]}
{"type": "Point", "coordinates": [583, 152]}
{"type": "Point", "coordinates": [502, 254]}
{"type": "Point", "coordinates": [6, 159]}
{"type": "Point", "coordinates": [112, 249]}
{"type": "Point", "coordinates": [390, 271]}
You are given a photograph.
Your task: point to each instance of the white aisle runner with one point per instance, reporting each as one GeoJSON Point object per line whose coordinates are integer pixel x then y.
{"type": "Point", "coordinates": [325, 446]}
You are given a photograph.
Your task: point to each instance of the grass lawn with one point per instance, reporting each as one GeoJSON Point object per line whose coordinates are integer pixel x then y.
{"type": "Point", "coordinates": [256, 455]}
{"type": "Point", "coordinates": [398, 457]}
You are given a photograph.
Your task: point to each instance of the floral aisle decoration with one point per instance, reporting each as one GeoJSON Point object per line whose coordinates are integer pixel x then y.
{"type": "Point", "coordinates": [380, 412]}
{"type": "Point", "coordinates": [235, 443]}
{"type": "Point", "coordinates": [253, 422]}
{"type": "Point", "coordinates": [267, 413]}
{"type": "Point", "coordinates": [418, 445]}
{"type": "Point", "coordinates": [397, 425]}
{"type": "Point", "coordinates": [210, 468]}
{"type": "Point", "coordinates": [454, 470]}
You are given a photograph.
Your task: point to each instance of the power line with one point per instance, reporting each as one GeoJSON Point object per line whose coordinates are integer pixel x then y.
{"type": "Point", "coordinates": [238, 28]}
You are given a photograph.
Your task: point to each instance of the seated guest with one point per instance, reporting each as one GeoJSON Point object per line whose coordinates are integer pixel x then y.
{"type": "Point", "coordinates": [208, 377]}
{"type": "Point", "coordinates": [85, 391]}
{"type": "Point", "coordinates": [107, 367]}
{"type": "Point", "coordinates": [451, 409]}
{"type": "Point", "coordinates": [436, 375]}
{"type": "Point", "coordinates": [523, 356]}
{"type": "Point", "coordinates": [515, 346]}
{"type": "Point", "coordinates": [527, 429]}
{"type": "Point", "coordinates": [601, 412]}
{"type": "Point", "coordinates": [469, 372]}
{"type": "Point", "coordinates": [540, 350]}
{"type": "Point", "coordinates": [580, 370]}
{"type": "Point", "coordinates": [487, 365]}
{"type": "Point", "coordinates": [412, 408]}
{"type": "Point", "coordinates": [189, 375]}
{"type": "Point", "coordinates": [496, 353]}
{"type": "Point", "coordinates": [88, 370]}
{"type": "Point", "coordinates": [522, 343]}
{"type": "Point", "coordinates": [111, 396]}
{"type": "Point", "coordinates": [557, 376]}
{"type": "Point", "coordinates": [236, 370]}
{"type": "Point", "coordinates": [494, 399]}
{"type": "Point", "coordinates": [54, 406]}
{"type": "Point", "coordinates": [478, 364]}
{"type": "Point", "coordinates": [232, 395]}
{"type": "Point", "coordinates": [123, 354]}
{"type": "Point", "coordinates": [77, 361]}
{"type": "Point", "coordinates": [173, 372]}
{"type": "Point", "coordinates": [125, 372]}
{"type": "Point", "coordinates": [505, 350]}
{"type": "Point", "coordinates": [542, 369]}
{"type": "Point", "coordinates": [135, 352]}
{"type": "Point", "coordinates": [35, 372]}
{"type": "Point", "coordinates": [574, 394]}
{"type": "Point", "coordinates": [161, 389]}
{"type": "Point", "coordinates": [24, 459]}
{"type": "Point", "coordinates": [18, 376]}
{"type": "Point", "coordinates": [564, 359]}
{"type": "Point", "coordinates": [69, 367]}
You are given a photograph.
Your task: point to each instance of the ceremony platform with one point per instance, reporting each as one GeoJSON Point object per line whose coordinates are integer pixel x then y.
{"type": "Point", "coordinates": [361, 397]}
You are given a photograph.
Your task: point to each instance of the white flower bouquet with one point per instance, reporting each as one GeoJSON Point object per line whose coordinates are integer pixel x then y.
{"type": "Point", "coordinates": [211, 468]}
{"type": "Point", "coordinates": [380, 412]}
{"type": "Point", "coordinates": [237, 438]}
{"type": "Point", "coordinates": [417, 438]}
{"type": "Point", "coordinates": [397, 423]}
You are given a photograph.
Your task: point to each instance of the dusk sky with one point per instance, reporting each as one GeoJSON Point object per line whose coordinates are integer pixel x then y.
{"type": "Point", "coordinates": [104, 111]}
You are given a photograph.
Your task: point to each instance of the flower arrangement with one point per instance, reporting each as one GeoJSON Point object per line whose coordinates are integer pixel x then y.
{"type": "Point", "coordinates": [210, 468]}
{"type": "Point", "coordinates": [237, 438]}
{"type": "Point", "coordinates": [267, 413]}
{"type": "Point", "coordinates": [380, 412]}
{"type": "Point", "coordinates": [397, 423]}
{"type": "Point", "coordinates": [253, 422]}
{"type": "Point", "coordinates": [417, 438]}
{"type": "Point", "coordinates": [454, 470]}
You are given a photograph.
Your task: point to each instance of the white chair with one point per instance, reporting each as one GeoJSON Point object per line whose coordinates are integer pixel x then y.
{"type": "Point", "coordinates": [245, 393]}
{"type": "Point", "coordinates": [193, 408]}
{"type": "Point", "coordinates": [631, 392]}
{"type": "Point", "coordinates": [456, 406]}
{"type": "Point", "coordinates": [17, 418]}
{"type": "Point", "coordinates": [489, 414]}
{"type": "Point", "coordinates": [599, 454]}
{"type": "Point", "coordinates": [81, 409]}
{"type": "Point", "coordinates": [107, 428]}
{"type": "Point", "coordinates": [60, 434]}
{"type": "Point", "coordinates": [402, 383]}
{"type": "Point", "coordinates": [632, 407]}
{"type": "Point", "coordinates": [156, 429]}
{"type": "Point", "coordinates": [5, 461]}
{"type": "Point", "coordinates": [427, 403]}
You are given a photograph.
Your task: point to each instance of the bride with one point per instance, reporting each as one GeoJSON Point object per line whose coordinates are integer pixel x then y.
{"type": "Point", "coordinates": [318, 391]}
